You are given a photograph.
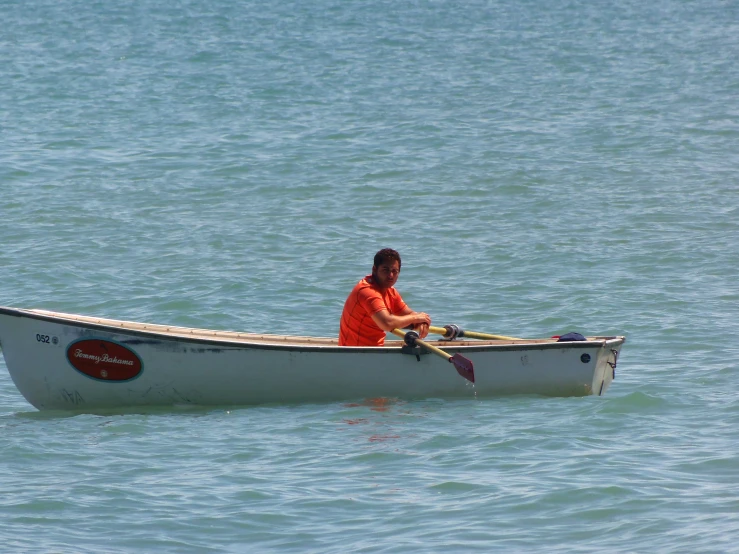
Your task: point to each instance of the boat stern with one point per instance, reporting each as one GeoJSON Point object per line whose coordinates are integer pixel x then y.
{"type": "Point", "coordinates": [605, 366]}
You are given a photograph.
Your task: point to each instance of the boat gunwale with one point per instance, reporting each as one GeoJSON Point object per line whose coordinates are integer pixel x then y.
{"type": "Point", "coordinates": [286, 342]}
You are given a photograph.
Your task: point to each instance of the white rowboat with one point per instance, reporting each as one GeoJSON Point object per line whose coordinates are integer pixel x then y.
{"type": "Point", "coordinates": [63, 361]}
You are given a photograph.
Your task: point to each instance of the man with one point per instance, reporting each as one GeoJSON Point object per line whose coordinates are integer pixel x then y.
{"type": "Point", "coordinates": [374, 306]}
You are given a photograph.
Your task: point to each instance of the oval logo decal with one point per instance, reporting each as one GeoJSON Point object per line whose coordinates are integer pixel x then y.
{"type": "Point", "coordinates": [104, 360]}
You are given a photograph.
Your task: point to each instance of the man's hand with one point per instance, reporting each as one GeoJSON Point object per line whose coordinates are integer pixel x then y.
{"type": "Point", "coordinates": [422, 329]}
{"type": "Point", "coordinates": [421, 326]}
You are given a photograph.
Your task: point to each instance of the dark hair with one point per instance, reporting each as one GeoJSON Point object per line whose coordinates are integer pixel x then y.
{"type": "Point", "coordinates": [386, 255]}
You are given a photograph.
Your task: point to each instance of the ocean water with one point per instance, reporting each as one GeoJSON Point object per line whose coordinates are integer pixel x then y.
{"type": "Point", "coordinates": [542, 167]}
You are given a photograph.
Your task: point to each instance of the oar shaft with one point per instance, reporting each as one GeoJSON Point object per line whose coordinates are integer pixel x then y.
{"type": "Point", "coordinates": [461, 364]}
{"type": "Point", "coordinates": [486, 336]}
{"type": "Point", "coordinates": [470, 334]}
{"type": "Point", "coordinates": [431, 347]}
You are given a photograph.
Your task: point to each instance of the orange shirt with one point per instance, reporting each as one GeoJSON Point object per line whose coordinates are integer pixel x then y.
{"type": "Point", "coordinates": [365, 299]}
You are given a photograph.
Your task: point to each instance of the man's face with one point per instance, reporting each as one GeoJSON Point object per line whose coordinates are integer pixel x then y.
{"type": "Point", "coordinates": [386, 274]}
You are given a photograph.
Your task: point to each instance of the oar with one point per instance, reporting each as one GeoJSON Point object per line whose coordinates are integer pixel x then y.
{"type": "Point", "coordinates": [452, 331]}
{"type": "Point", "coordinates": [461, 364]}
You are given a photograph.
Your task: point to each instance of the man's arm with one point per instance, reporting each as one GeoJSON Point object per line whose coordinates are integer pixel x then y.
{"type": "Point", "coordinates": [421, 328]}
{"type": "Point", "coordinates": [387, 321]}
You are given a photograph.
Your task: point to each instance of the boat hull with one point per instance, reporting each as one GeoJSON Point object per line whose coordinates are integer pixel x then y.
{"type": "Point", "coordinates": [68, 362]}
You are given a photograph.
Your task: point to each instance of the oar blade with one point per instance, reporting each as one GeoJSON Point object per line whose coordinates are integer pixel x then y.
{"type": "Point", "coordinates": [463, 367]}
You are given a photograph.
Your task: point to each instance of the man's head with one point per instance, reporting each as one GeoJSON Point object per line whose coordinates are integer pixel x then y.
{"type": "Point", "coordinates": [386, 268]}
